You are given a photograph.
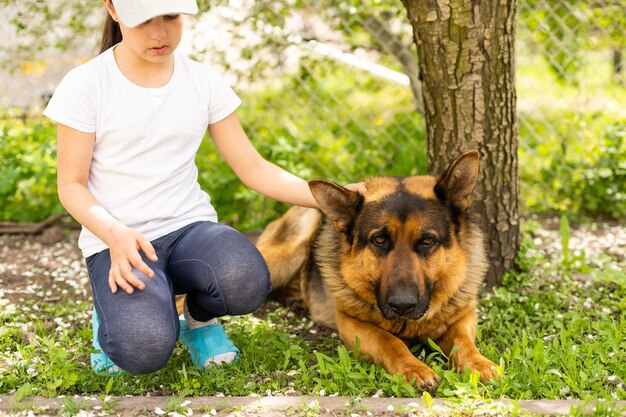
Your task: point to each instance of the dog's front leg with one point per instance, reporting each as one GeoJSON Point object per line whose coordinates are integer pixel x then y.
{"type": "Point", "coordinates": [387, 350]}
{"type": "Point", "coordinates": [462, 334]}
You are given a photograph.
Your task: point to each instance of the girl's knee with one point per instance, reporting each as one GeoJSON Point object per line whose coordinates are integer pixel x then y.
{"type": "Point", "coordinates": [252, 289]}
{"type": "Point", "coordinates": [143, 361]}
{"type": "Point", "coordinates": [141, 350]}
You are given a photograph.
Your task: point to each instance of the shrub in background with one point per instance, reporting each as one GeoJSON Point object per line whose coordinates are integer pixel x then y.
{"type": "Point", "coordinates": [328, 122]}
{"type": "Point", "coordinates": [342, 126]}
{"type": "Point", "coordinates": [578, 167]}
{"type": "Point", "coordinates": [601, 190]}
{"type": "Point", "coordinates": [337, 124]}
{"type": "Point", "coordinates": [28, 169]}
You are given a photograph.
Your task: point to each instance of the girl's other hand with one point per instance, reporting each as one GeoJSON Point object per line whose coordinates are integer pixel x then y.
{"type": "Point", "coordinates": [125, 246]}
{"type": "Point", "coordinates": [358, 187]}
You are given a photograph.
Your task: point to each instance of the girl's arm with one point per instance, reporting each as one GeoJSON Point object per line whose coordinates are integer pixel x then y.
{"type": "Point", "coordinates": [256, 172]}
{"type": "Point", "coordinates": [74, 153]}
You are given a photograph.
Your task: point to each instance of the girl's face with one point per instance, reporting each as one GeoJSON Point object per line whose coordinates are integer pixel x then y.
{"type": "Point", "coordinates": [154, 40]}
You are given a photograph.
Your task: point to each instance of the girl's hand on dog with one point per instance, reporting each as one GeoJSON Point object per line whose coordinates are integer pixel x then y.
{"type": "Point", "coordinates": [125, 246]}
{"type": "Point", "coordinates": [358, 187]}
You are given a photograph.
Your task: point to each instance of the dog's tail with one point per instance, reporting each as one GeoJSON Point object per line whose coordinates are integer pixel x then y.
{"type": "Point", "coordinates": [286, 242]}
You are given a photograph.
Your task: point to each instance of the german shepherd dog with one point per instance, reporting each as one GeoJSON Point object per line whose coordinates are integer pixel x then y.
{"type": "Point", "coordinates": [394, 267]}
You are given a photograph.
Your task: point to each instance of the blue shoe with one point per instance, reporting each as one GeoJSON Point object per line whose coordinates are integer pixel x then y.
{"type": "Point", "coordinates": [100, 362]}
{"type": "Point", "coordinates": [206, 342]}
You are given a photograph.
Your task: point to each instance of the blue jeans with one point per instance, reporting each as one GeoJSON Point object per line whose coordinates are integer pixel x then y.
{"type": "Point", "coordinates": [218, 268]}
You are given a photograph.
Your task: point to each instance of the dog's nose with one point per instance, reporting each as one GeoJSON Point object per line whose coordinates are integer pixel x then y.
{"type": "Point", "coordinates": [403, 303]}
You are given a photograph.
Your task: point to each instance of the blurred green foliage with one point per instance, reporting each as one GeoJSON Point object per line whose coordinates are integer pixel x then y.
{"type": "Point", "coordinates": [579, 171]}
{"type": "Point", "coordinates": [563, 31]}
{"type": "Point", "coordinates": [348, 130]}
{"type": "Point", "coordinates": [336, 122]}
{"type": "Point", "coordinates": [28, 169]}
{"type": "Point", "coordinates": [572, 162]}
{"type": "Point", "coordinates": [572, 153]}
{"type": "Point", "coordinates": [601, 189]}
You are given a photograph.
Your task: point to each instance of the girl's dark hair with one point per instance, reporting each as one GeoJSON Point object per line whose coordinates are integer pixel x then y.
{"type": "Point", "coordinates": [111, 35]}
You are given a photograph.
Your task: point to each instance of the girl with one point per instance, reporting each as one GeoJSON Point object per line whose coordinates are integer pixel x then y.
{"type": "Point", "coordinates": [130, 122]}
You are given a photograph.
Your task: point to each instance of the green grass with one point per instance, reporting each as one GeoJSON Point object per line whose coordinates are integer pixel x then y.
{"type": "Point", "coordinates": [557, 328]}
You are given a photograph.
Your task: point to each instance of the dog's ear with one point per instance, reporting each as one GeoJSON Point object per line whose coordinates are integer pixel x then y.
{"type": "Point", "coordinates": [457, 183]}
{"type": "Point", "coordinates": [338, 203]}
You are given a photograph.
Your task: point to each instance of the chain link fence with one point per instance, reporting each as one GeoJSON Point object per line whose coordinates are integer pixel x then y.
{"type": "Point", "coordinates": [347, 83]}
{"type": "Point", "coordinates": [571, 83]}
{"type": "Point", "coordinates": [331, 89]}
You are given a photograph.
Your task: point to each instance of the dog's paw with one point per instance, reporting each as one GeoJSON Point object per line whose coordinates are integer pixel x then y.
{"type": "Point", "coordinates": [422, 376]}
{"type": "Point", "coordinates": [487, 369]}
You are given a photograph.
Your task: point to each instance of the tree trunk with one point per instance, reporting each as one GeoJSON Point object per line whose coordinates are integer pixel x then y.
{"type": "Point", "coordinates": [466, 57]}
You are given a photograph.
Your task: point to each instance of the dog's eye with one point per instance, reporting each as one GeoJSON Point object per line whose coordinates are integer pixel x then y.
{"type": "Point", "coordinates": [427, 241]}
{"type": "Point", "coordinates": [379, 240]}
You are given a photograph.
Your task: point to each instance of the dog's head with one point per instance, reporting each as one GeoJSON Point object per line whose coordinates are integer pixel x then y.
{"type": "Point", "coordinates": [402, 241]}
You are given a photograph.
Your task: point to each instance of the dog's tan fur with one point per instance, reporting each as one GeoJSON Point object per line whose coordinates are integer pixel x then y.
{"type": "Point", "coordinates": [352, 264]}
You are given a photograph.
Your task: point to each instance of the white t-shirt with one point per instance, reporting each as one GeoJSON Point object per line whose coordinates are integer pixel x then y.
{"type": "Point", "coordinates": [143, 169]}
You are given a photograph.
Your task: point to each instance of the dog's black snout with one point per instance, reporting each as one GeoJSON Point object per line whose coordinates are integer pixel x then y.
{"type": "Point", "coordinates": [402, 303]}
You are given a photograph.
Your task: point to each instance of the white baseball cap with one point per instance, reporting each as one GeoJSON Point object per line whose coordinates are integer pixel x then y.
{"type": "Point", "coordinates": [134, 12]}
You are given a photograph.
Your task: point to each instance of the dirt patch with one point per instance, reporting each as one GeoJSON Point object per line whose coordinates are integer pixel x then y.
{"type": "Point", "coordinates": [34, 268]}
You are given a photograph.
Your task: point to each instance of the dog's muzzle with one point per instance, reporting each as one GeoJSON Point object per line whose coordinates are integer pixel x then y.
{"type": "Point", "coordinates": [405, 303]}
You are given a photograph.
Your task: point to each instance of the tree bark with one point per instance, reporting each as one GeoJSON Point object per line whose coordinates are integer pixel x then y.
{"type": "Point", "coordinates": [466, 57]}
